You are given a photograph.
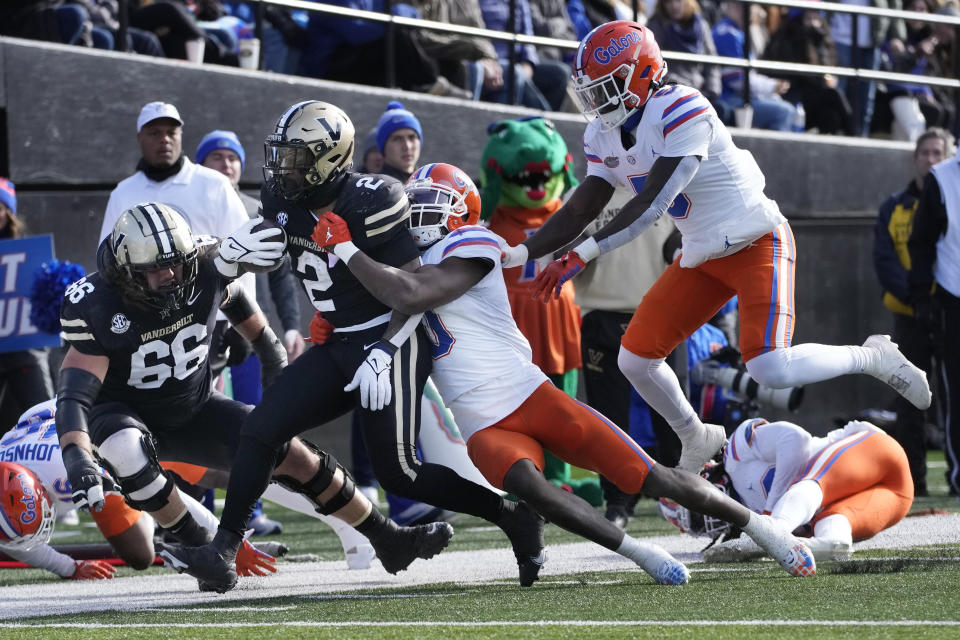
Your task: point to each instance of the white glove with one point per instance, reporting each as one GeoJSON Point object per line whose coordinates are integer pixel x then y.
{"type": "Point", "coordinates": [245, 246]}
{"type": "Point", "coordinates": [373, 378]}
{"type": "Point", "coordinates": [512, 256]}
{"type": "Point", "coordinates": [293, 341]}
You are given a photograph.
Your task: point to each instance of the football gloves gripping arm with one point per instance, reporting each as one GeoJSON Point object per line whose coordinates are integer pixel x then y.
{"type": "Point", "coordinates": [246, 246]}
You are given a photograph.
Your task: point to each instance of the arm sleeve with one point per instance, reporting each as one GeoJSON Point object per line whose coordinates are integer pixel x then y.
{"type": "Point", "coordinates": [681, 177]}
{"type": "Point", "coordinates": [44, 557]}
{"type": "Point", "coordinates": [929, 223]}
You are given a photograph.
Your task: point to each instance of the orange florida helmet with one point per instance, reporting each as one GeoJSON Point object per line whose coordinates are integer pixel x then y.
{"type": "Point", "coordinates": [26, 513]}
{"type": "Point", "coordinates": [617, 67]}
{"type": "Point", "coordinates": [442, 199]}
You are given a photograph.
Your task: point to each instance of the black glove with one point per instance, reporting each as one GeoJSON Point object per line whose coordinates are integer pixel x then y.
{"type": "Point", "coordinates": [239, 348]}
{"type": "Point", "coordinates": [84, 476]}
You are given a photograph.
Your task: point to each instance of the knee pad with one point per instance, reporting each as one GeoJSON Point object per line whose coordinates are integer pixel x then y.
{"type": "Point", "coordinates": [131, 458]}
{"type": "Point", "coordinates": [319, 483]}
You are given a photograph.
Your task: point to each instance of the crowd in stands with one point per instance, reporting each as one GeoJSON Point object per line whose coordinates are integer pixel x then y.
{"type": "Point", "coordinates": [335, 47]}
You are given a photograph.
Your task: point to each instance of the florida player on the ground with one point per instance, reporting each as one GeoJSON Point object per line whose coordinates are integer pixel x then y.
{"type": "Point", "coordinates": [31, 466]}
{"type": "Point", "coordinates": [668, 145]}
{"type": "Point", "coordinates": [505, 406]}
{"type": "Point", "coordinates": [368, 363]}
{"type": "Point", "coordinates": [135, 383]}
{"type": "Point", "coordinates": [842, 488]}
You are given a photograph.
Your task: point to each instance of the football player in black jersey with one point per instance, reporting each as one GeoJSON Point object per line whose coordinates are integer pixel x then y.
{"type": "Point", "coordinates": [368, 364]}
{"type": "Point", "coordinates": [135, 385]}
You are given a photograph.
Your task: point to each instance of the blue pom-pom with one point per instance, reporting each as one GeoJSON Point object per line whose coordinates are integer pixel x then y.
{"type": "Point", "coordinates": [50, 281]}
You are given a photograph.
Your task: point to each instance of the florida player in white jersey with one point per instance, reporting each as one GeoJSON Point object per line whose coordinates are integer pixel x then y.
{"type": "Point", "coordinates": [839, 489]}
{"type": "Point", "coordinates": [503, 404]}
{"type": "Point", "coordinates": [34, 489]}
{"type": "Point", "coordinates": [666, 143]}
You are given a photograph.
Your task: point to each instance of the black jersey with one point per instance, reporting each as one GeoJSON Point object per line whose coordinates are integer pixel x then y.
{"type": "Point", "coordinates": [376, 211]}
{"type": "Point", "coordinates": [158, 360]}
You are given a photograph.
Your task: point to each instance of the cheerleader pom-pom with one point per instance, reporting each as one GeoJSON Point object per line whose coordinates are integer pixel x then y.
{"type": "Point", "coordinates": [50, 281]}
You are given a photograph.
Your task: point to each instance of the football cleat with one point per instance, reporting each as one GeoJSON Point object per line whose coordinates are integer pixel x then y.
{"type": "Point", "coordinates": [524, 528]}
{"type": "Point", "coordinates": [212, 571]}
{"type": "Point", "coordinates": [697, 450]}
{"type": "Point", "coordinates": [899, 373]}
{"type": "Point", "coordinates": [397, 551]}
{"type": "Point", "coordinates": [824, 549]}
{"type": "Point", "coordinates": [741, 549]}
{"type": "Point", "coordinates": [662, 566]}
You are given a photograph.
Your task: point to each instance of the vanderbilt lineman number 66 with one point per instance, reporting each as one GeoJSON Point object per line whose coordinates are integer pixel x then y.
{"type": "Point", "coordinates": [151, 376]}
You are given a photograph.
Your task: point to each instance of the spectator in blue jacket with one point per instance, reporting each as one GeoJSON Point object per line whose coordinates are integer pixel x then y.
{"type": "Point", "coordinates": [770, 110]}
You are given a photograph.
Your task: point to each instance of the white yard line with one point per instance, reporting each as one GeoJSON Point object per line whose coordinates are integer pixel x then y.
{"type": "Point", "coordinates": [56, 597]}
{"type": "Point", "coordinates": [503, 623]}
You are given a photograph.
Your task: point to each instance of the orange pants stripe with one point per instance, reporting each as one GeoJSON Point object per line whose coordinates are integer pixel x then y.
{"type": "Point", "coordinates": [190, 472]}
{"type": "Point", "coordinates": [574, 432]}
{"type": "Point", "coordinates": [866, 478]}
{"type": "Point", "coordinates": [115, 517]}
{"type": "Point", "coordinates": [762, 276]}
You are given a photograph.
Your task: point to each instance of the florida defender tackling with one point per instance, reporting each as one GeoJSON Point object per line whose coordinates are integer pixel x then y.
{"type": "Point", "coordinates": [503, 404]}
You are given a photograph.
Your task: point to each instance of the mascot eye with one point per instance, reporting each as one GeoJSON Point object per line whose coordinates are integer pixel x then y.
{"type": "Point", "coordinates": [497, 129]}
{"type": "Point", "coordinates": [549, 124]}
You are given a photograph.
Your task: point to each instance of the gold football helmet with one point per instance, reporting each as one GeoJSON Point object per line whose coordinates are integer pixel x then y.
{"type": "Point", "coordinates": [148, 237]}
{"type": "Point", "coordinates": [310, 151]}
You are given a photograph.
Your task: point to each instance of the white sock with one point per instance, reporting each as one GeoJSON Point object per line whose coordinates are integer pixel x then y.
{"type": "Point", "coordinates": [834, 528]}
{"type": "Point", "coordinates": [349, 537]}
{"type": "Point", "coordinates": [657, 384]}
{"type": "Point", "coordinates": [763, 530]}
{"type": "Point", "coordinates": [655, 560]}
{"type": "Point", "coordinates": [798, 504]}
{"type": "Point", "coordinates": [200, 513]}
{"type": "Point", "coordinates": [807, 363]}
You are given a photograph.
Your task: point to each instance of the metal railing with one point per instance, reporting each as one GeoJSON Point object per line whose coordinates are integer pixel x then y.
{"type": "Point", "coordinates": [516, 39]}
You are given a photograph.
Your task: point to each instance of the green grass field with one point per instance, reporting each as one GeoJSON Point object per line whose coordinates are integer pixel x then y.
{"type": "Point", "coordinates": [881, 593]}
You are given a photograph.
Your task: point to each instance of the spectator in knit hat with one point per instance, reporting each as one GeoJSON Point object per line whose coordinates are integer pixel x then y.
{"type": "Point", "coordinates": [399, 137]}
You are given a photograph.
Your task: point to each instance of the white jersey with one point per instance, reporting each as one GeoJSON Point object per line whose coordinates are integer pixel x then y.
{"type": "Point", "coordinates": [33, 443]}
{"type": "Point", "coordinates": [723, 208]}
{"type": "Point", "coordinates": [764, 459]}
{"type": "Point", "coordinates": [482, 364]}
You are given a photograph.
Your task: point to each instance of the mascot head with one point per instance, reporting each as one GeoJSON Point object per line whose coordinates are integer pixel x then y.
{"type": "Point", "coordinates": [525, 164]}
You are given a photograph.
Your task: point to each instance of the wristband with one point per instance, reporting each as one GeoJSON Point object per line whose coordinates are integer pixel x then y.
{"type": "Point", "coordinates": [588, 249]}
{"type": "Point", "coordinates": [345, 250]}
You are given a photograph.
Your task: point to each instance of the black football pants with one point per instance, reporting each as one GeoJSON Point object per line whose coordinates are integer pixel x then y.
{"type": "Point", "coordinates": [310, 393]}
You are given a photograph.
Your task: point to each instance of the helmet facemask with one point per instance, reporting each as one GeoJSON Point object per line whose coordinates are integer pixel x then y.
{"type": "Point", "coordinates": [152, 237]}
{"type": "Point", "coordinates": [436, 209]}
{"type": "Point", "coordinates": [608, 97]}
{"type": "Point", "coordinates": [310, 152]}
